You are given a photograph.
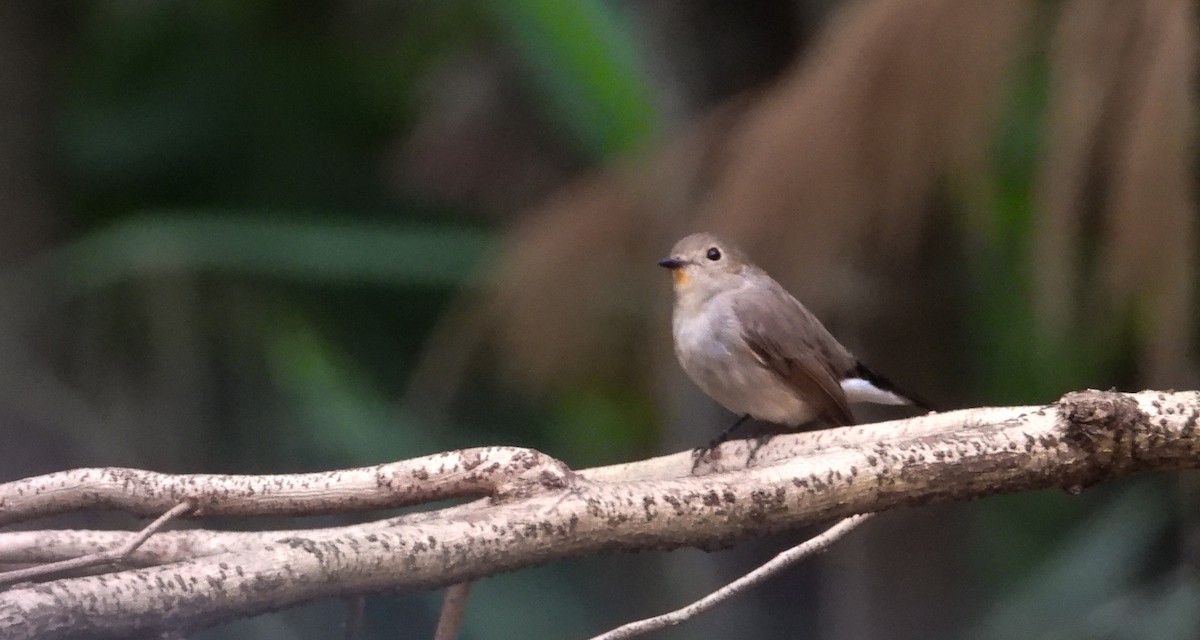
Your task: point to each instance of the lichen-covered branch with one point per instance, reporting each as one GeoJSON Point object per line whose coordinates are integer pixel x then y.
{"type": "Point", "coordinates": [1085, 438]}
{"type": "Point", "coordinates": [469, 472]}
{"type": "Point", "coordinates": [109, 555]}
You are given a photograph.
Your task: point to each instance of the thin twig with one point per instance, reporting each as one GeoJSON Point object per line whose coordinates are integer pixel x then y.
{"type": "Point", "coordinates": [454, 604]}
{"type": "Point", "coordinates": [754, 578]}
{"type": "Point", "coordinates": [102, 557]}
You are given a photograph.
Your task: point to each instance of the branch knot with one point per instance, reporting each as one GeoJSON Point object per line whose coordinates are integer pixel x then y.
{"type": "Point", "coordinates": [1102, 424]}
{"type": "Point", "coordinates": [528, 472]}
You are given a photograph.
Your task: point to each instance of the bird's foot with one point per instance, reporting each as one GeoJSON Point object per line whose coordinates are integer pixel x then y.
{"type": "Point", "coordinates": [759, 442]}
{"type": "Point", "coordinates": [699, 455]}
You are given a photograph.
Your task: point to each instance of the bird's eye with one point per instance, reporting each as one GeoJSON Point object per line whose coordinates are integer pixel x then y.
{"type": "Point", "coordinates": [714, 254]}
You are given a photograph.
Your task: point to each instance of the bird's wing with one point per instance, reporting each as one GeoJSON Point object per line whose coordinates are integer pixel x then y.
{"type": "Point", "coordinates": [808, 360]}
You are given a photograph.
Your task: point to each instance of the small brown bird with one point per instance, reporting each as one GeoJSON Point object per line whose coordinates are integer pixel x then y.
{"type": "Point", "coordinates": [755, 349]}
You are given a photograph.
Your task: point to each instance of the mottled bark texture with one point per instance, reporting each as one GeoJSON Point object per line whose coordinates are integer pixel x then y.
{"type": "Point", "coordinates": [538, 511]}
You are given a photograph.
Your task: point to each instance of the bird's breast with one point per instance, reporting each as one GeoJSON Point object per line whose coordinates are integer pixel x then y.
{"type": "Point", "coordinates": [712, 351]}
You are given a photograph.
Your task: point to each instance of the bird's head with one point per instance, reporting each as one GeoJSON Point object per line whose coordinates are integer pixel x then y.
{"type": "Point", "coordinates": [703, 265]}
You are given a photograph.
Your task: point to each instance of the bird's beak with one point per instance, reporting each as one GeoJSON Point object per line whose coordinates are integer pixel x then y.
{"type": "Point", "coordinates": [671, 263]}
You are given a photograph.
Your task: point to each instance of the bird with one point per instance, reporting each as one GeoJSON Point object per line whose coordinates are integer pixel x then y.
{"type": "Point", "coordinates": [756, 350]}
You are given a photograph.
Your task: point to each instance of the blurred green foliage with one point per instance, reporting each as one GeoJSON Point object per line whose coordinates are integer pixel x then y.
{"type": "Point", "coordinates": [585, 64]}
{"type": "Point", "coordinates": [243, 141]}
{"type": "Point", "coordinates": [232, 152]}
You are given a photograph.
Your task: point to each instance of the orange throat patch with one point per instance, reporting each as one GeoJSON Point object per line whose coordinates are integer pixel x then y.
{"type": "Point", "coordinates": [680, 275]}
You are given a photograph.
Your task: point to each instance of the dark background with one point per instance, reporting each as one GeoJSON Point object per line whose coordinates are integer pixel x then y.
{"type": "Point", "coordinates": [267, 236]}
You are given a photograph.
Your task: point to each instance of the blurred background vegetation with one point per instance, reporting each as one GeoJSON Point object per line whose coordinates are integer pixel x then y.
{"type": "Point", "coordinates": [267, 236]}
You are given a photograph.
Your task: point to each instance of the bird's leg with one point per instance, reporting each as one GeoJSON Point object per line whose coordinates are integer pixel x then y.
{"type": "Point", "coordinates": [724, 435]}
{"type": "Point", "coordinates": [699, 454]}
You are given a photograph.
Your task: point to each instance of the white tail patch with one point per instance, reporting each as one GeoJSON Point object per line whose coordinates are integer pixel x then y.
{"type": "Point", "coordinates": [859, 390]}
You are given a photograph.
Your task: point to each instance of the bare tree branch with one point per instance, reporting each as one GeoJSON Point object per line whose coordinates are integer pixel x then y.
{"type": "Point", "coordinates": [115, 554]}
{"type": "Point", "coordinates": [454, 605]}
{"type": "Point", "coordinates": [542, 512]}
{"type": "Point", "coordinates": [492, 471]}
{"type": "Point", "coordinates": [780, 562]}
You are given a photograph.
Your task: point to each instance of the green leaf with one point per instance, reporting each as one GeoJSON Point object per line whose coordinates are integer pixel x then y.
{"type": "Point", "coordinates": [292, 247]}
{"type": "Point", "coordinates": [585, 64]}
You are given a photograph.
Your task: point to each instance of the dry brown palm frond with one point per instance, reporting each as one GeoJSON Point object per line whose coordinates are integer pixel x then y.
{"type": "Point", "coordinates": [1086, 59]}
{"type": "Point", "coordinates": [846, 152]}
{"type": "Point", "coordinates": [572, 274]}
{"type": "Point", "coordinates": [1117, 179]}
{"type": "Point", "coordinates": [844, 149]}
{"type": "Point", "coordinates": [839, 161]}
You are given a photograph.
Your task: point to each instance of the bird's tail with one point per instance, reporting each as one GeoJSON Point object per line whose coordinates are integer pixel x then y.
{"type": "Point", "coordinates": [861, 371]}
